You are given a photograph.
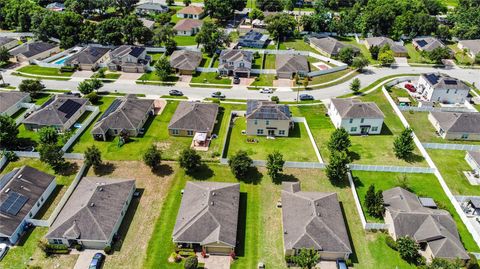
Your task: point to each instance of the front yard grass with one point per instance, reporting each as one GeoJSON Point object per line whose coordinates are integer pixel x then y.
{"type": "Point", "coordinates": [210, 77]}
{"type": "Point", "coordinates": [152, 76]}
{"type": "Point", "coordinates": [415, 56]}
{"type": "Point", "coordinates": [263, 80]}
{"type": "Point", "coordinates": [461, 57]}
{"type": "Point", "coordinates": [44, 71]}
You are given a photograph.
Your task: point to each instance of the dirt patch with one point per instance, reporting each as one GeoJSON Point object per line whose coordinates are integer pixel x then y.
{"type": "Point", "coordinates": [283, 83]}
{"type": "Point", "coordinates": [163, 145]}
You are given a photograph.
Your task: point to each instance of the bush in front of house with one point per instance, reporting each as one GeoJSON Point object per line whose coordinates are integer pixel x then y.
{"type": "Point", "coordinates": [191, 262]}
{"type": "Point", "coordinates": [391, 243]}
{"type": "Point", "coordinates": [108, 250]}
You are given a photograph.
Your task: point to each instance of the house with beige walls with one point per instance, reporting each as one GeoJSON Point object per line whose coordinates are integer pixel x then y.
{"type": "Point", "coordinates": [268, 118]}
{"type": "Point", "coordinates": [355, 116]}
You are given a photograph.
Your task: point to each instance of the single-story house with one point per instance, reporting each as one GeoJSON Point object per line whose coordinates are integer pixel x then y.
{"type": "Point", "coordinates": [55, 6]}
{"type": "Point", "coordinates": [60, 112]}
{"type": "Point", "coordinates": [290, 65]}
{"type": "Point", "coordinates": [355, 116]}
{"type": "Point", "coordinates": [329, 45]}
{"type": "Point", "coordinates": [191, 12]}
{"type": "Point", "coordinates": [193, 117]}
{"type": "Point", "coordinates": [268, 118]}
{"type": "Point", "coordinates": [37, 50]}
{"type": "Point", "coordinates": [11, 102]}
{"type": "Point", "coordinates": [456, 125]}
{"type": "Point", "coordinates": [235, 62]}
{"type": "Point", "coordinates": [185, 62]}
{"type": "Point", "coordinates": [188, 27]}
{"type": "Point", "coordinates": [89, 58]}
{"type": "Point", "coordinates": [472, 206]}
{"type": "Point", "coordinates": [24, 190]}
{"type": "Point", "coordinates": [428, 43]}
{"type": "Point", "coordinates": [208, 217]}
{"type": "Point", "coordinates": [313, 220]}
{"type": "Point", "coordinates": [146, 8]}
{"type": "Point", "coordinates": [129, 59]}
{"type": "Point", "coordinates": [126, 114]}
{"type": "Point", "coordinates": [433, 229]}
{"type": "Point", "coordinates": [438, 87]}
{"type": "Point", "coordinates": [473, 159]}
{"type": "Point", "coordinates": [472, 47]}
{"type": "Point", "coordinates": [93, 214]}
{"type": "Point", "coordinates": [253, 39]}
{"type": "Point", "coordinates": [8, 42]}
{"type": "Point", "coordinates": [148, 23]}
{"type": "Point", "coordinates": [380, 41]}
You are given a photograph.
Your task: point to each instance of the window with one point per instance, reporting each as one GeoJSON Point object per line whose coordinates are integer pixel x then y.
{"type": "Point", "coordinates": [267, 122]}
{"type": "Point", "coordinates": [230, 63]}
{"type": "Point", "coordinates": [57, 242]}
{"type": "Point", "coordinates": [175, 132]}
{"type": "Point", "coordinates": [38, 203]}
{"type": "Point", "coordinates": [190, 132]}
{"type": "Point", "coordinates": [456, 91]}
{"type": "Point", "coordinates": [465, 136]}
{"type": "Point", "coordinates": [241, 64]}
{"type": "Point", "coordinates": [374, 129]}
{"type": "Point", "coordinates": [260, 131]}
{"type": "Point", "coordinates": [351, 121]}
{"type": "Point", "coordinates": [353, 129]}
{"type": "Point", "coordinates": [362, 120]}
{"type": "Point", "coordinates": [255, 122]}
{"type": "Point", "coordinates": [30, 214]}
{"type": "Point", "coordinates": [41, 199]}
{"type": "Point", "coordinates": [281, 132]}
{"type": "Point", "coordinates": [448, 90]}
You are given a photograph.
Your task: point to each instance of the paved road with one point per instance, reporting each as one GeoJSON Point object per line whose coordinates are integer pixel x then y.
{"type": "Point", "coordinates": [241, 92]}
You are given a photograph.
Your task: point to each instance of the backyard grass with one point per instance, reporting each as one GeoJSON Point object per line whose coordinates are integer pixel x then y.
{"type": "Point", "coordinates": [298, 140]}
{"type": "Point", "coordinates": [296, 44]}
{"type": "Point", "coordinates": [45, 71]}
{"type": "Point", "coordinates": [363, 49]}
{"type": "Point", "coordinates": [270, 61]}
{"type": "Point", "coordinates": [396, 92]}
{"type": "Point", "coordinates": [424, 185]}
{"type": "Point", "coordinates": [263, 80]}
{"type": "Point", "coordinates": [461, 58]}
{"type": "Point", "coordinates": [257, 61]}
{"type": "Point", "coordinates": [415, 56]}
{"type": "Point", "coordinates": [210, 77]}
{"type": "Point", "coordinates": [205, 60]}
{"type": "Point", "coordinates": [185, 40]}
{"type": "Point", "coordinates": [155, 56]}
{"type": "Point", "coordinates": [152, 76]}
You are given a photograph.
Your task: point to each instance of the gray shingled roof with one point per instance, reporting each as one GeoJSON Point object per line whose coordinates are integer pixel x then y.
{"type": "Point", "coordinates": [428, 43]}
{"type": "Point", "coordinates": [185, 59]}
{"type": "Point", "coordinates": [313, 220]}
{"type": "Point", "coordinates": [31, 49]}
{"type": "Point", "coordinates": [443, 81]}
{"type": "Point", "coordinates": [267, 110]}
{"type": "Point", "coordinates": [458, 122]}
{"type": "Point", "coordinates": [92, 210]}
{"type": "Point", "coordinates": [4, 40]}
{"type": "Point", "coordinates": [354, 108]}
{"type": "Point", "coordinates": [57, 111]}
{"type": "Point", "coordinates": [152, 6]}
{"type": "Point", "coordinates": [381, 41]}
{"type": "Point", "coordinates": [475, 156]}
{"type": "Point", "coordinates": [472, 45]}
{"type": "Point", "coordinates": [291, 63]}
{"type": "Point", "coordinates": [124, 113]}
{"type": "Point", "coordinates": [434, 226]}
{"type": "Point", "coordinates": [235, 55]}
{"type": "Point", "coordinates": [28, 182]}
{"type": "Point", "coordinates": [208, 213]}
{"type": "Point", "coordinates": [329, 45]}
{"type": "Point", "coordinates": [199, 117]}
{"type": "Point", "coordinates": [10, 98]}
{"type": "Point", "coordinates": [89, 55]}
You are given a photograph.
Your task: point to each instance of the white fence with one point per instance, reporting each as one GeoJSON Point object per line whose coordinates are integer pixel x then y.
{"type": "Point", "coordinates": [207, 69]}
{"type": "Point", "coordinates": [289, 164]}
{"type": "Point", "coordinates": [263, 71]}
{"type": "Point", "coordinates": [394, 169]}
{"type": "Point", "coordinates": [30, 107]}
{"type": "Point", "coordinates": [3, 162]}
{"type": "Point", "coordinates": [451, 146]}
{"type": "Point", "coordinates": [39, 222]}
{"type": "Point", "coordinates": [16, 34]}
{"type": "Point", "coordinates": [95, 111]}
{"type": "Point", "coordinates": [327, 71]}
{"type": "Point", "coordinates": [400, 80]}
{"type": "Point", "coordinates": [436, 109]}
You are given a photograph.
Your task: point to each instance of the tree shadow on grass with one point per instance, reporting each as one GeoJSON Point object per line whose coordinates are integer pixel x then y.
{"type": "Point", "coordinates": [49, 202]}
{"type": "Point", "coordinates": [414, 158]}
{"type": "Point", "coordinates": [295, 132]}
{"type": "Point", "coordinates": [357, 182]}
{"type": "Point", "coordinates": [253, 176]}
{"type": "Point", "coordinates": [202, 173]}
{"type": "Point", "coordinates": [163, 170]}
{"type": "Point", "coordinates": [104, 169]}
{"type": "Point", "coordinates": [127, 221]}
{"type": "Point", "coordinates": [353, 256]}
{"type": "Point", "coordinates": [68, 169]}
{"type": "Point", "coordinates": [354, 156]}
{"type": "Point", "coordinates": [242, 225]}
{"type": "Point", "coordinates": [285, 178]}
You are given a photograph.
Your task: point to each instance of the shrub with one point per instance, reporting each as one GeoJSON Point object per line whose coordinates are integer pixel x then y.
{"type": "Point", "coordinates": [472, 263]}
{"type": "Point", "coordinates": [289, 259]}
{"type": "Point", "coordinates": [275, 99]}
{"type": "Point", "coordinates": [78, 247]}
{"type": "Point", "coordinates": [191, 262]}
{"type": "Point", "coordinates": [92, 97]}
{"type": "Point", "coordinates": [391, 243]}
{"type": "Point", "coordinates": [107, 250]}
{"type": "Point", "coordinates": [10, 155]}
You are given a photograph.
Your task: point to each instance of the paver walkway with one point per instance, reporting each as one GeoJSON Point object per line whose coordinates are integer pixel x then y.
{"type": "Point", "coordinates": [215, 262]}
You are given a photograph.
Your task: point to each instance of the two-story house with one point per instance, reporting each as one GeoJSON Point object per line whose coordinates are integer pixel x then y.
{"type": "Point", "coordinates": [129, 59]}
{"type": "Point", "coordinates": [355, 116]}
{"type": "Point", "coordinates": [437, 87]}
{"type": "Point", "coordinates": [235, 62]}
{"type": "Point", "coordinates": [268, 118]}
{"type": "Point", "coordinates": [191, 12]}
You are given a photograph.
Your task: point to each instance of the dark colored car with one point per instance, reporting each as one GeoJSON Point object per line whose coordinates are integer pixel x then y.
{"type": "Point", "coordinates": [341, 264]}
{"type": "Point", "coordinates": [175, 93]}
{"type": "Point", "coordinates": [410, 87]}
{"type": "Point", "coordinates": [236, 80]}
{"type": "Point", "coordinates": [304, 97]}
{"type": "Point", "coordinates": [97, 261]}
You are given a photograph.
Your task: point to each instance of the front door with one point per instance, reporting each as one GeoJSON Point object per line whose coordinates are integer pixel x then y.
{"type": "Point", "coordinates": [271, 132]}
{"type": "Point", "coordinates": [364, 130]}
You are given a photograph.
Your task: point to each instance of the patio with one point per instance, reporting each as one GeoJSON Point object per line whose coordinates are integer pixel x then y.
{"type": "Point", "coordinates": [214, 261]}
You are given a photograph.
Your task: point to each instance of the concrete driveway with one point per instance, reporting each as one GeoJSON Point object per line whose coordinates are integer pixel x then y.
{"type": "Point", "coordinates": [85, 258]}
{"type": "Point", "coordinates": [327, 265]}
{"type": "Point", "coordinates": [215, 262]}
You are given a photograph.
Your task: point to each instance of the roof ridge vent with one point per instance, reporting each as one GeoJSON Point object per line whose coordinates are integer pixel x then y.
{"type": "Point", "coordinates": [212, 203]}
{"type": "Point", "coordinates": [92, 204]}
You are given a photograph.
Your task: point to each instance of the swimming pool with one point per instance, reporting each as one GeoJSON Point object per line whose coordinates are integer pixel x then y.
{"type": "Point", "coordinates": [61, 61]}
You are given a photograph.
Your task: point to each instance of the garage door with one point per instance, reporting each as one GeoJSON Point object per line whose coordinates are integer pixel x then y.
{"type": "Point", "coordinates": [218, 250]}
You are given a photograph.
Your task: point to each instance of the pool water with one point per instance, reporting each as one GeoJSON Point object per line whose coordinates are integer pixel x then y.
{"type": "Point", "coordinates": [61, 61]}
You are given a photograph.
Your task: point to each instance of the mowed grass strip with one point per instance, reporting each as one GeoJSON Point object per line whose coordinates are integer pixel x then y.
{"type": "Point", "coordinates": [44, 71]}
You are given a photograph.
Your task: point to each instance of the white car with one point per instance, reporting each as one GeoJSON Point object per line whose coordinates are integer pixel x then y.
{"type": "Point", "coordinates": [3, 250]}
{"type": "Point", "coordinates": [266, 90]}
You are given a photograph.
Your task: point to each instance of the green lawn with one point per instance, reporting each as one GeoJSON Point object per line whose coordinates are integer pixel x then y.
{"type": "Point", "coordinates": [45, 71]}
{"type": "Point", "coordinates": [363, 49]}
{"type": "Point", "coordinates": [460, 57]}
{"type": "Point", "coordinates": [396, 92]}
{"type": "Point", "coordinates": [108, 75]}
{"type": "Point", "coordinates": [331, 76]}
{"type": "Point", "coordinates": [185, 40]}
{"type": "Point", "coordinates": [270, 61]}
{"type": "Point", "coordinates": [210, 78]}
{"type": "Point", "coordinates": [296, 147]}
{"type": "Point", "coordinates": [263, 80]}
{"type": "Point", "coordinates": [297, 44]}
{"type": "Point", "coordinates": [415, 56]}
{"type": "Point", "coordinates": [257, 62]}
{"type": "Point", "coordinates": [155, 57]}
{"type": "Point", "coordinates": [152, 76]}
{"type": "Point", "coordinates": [205, 60]}
{"type": "Point", "coordinates": [41, 98]}
{"type": "Point", "coordinates": [424, 185]}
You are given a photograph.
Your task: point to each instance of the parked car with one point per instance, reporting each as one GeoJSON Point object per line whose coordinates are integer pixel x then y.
{"type": "Point", "coordinates": [304, 97]}
{"type": "Point", "coordinates": [97, 261]}
{"type": "Point", "coordinates": [218, 95]}
{"type": "Point", "coordinates": [3, 250]}
{"type": "Point", "coordinates": [266, 90]}
{"type": "Point", "coordinates": [175, 93]}
{"type": "Point", "coordinates": [236, 80]}
{"type": "Point", "coordinates": [410, 87]}
{"type": "Point", "coordinates": [341, 264]}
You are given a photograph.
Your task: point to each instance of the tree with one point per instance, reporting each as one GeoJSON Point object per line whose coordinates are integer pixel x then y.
{"type": "Point", "coordinates": [404, 144]}
{"type": "Point", "coordinates": [438, 54]}
{"type": "Point", "coordinates": [163, 68]}
{"type": "Point", "coordinates": [31, 86]}
{"type": "Point", "coordinates": [187, 2]}
{"type": "Point", "coordinates": [93, 157]}
{"type": "Point", "coordinates": [374, 51]}
{"type": "Point", "coordinates": [438, 263]}
{"type": "Point", "coordinates": [346, 55]}
{"type": "Point", "coordinates": [152, 157]}
{"type": "Point", "coordinates": [125, 6]}
{"type": "Point", "coordinates": [191, 262]}
{"type": "Point", "coordinates": [408, 249]}
{"type": "Point", "coordinates": [52, 154]}
{"type": "Point", "coordinates": [48, 135]}
{"type": "Point", "coordinates": [355, 85]}
{"type": "Point", "coordinates": [307, 258]}
{"type": "Point", "coordinates": [270, 5]}
{"type": "Point", "coordinates": [4, 55]}
{"type": "Point", "coordinates": [275, 164]}
{"type": "Point", "coordinates": [336, 169]}
{"type": "Point", "coordinates": [223, 10]}
{"type": "Point", "coordinates": [170, 46]}
{"type": "Point", "coordinates": [305, 82]}
{"type": "Point", "coordinates": [359, 62]}
{"type": "Point", "coordinates": [256, 14]}
{"type": "Point", "coordinates": [85, 87]}
{"type": "Point", "coordinates": [374, 202]}
{"type": "Point", "coordinates": [339, 141]}
{"type": "Point", "coordinates": [211, 37]}
{"type": "Point", "coordinates": [170, 2]}
{"type": "Point", "coordinates": [96, 83]}
{"type": "Point", "coordinates": [8, 131]}
{"type": "Point", "coordinates": [370, 197]}
{"type": "Point", "coordinates": [190, 160]}
{"type": "Point", "coordinates": [109, 32]}
{"type": "Point", "coordinates": [280, 25]}
{"type": "Point", "coordinates": [163, 18]}
{"type": "Point", "coordinates": [240, 163]}
{"type": "Point", "coordinates": [386, 58]}
{"type": "Point", "coordinates": [477, 58]}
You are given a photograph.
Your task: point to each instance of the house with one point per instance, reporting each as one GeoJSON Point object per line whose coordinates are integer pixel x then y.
{"type": "Point", "coordinates": [433, 229]}
{"type": "Point", "coordinates": [290, 65]}
{"type": "Point", "coordinates": [129, 59]}
{"type": "Point", "coordinates": [355, 116]}
{"type": "Point", "coordinates": [268, 118]}
{"type": "Point", "coordinates": [185, 62]}
{"type": "Point", "coordinates": [188, 27]}
{"type": "Point", "coordinates": [89, 58]}
{"type": "Point", "coordinates": [381, 41]}
{"type": "Point", "coordinates": [11, 102]}
{"type": "Point", "coordinates": [60, 112]}
{"type": "Point", "coordinates": [235, 62]}
{"type": "Point", "coordinates": [127, 114]}
{"type": "Point", "coordinates": [151, 8]}
{"type": "Point", "coordinates": [191, 12]}
{"type": "Point", "coordinates": [55, 6]}
{"type": "Point", "coordinates": [208, 217]}
{"type": "Point", "coordinates": [329, 46]}
{"type": "Point", "coordinates": [148, 23]}
{"type": "Point", "coordinates": [37, 50]}
{"type": "Point", "coordinates": [313, 220]}
{"type": "Point", "coordinates": [193, 117]}
{"type": "Point", "coordinates": [437, 87]}
{"type": "Point", "coordinates": [471, 206]}
{"type": "Point", "coordinates": [23, 192]}
{"type": "Point", "coordinates": [8, 42]}
{"type": "Point", "coordinates": [456, 125]}
{"type": "Point", "coordinates": [427, 43]}
{"type": "Point", "coordinates": [93, 213]}
{"type": "Point", "coordinates": [472, 47]}
{"type": "Point", "coordinates": [473, 159]}
{"type": "Point", "coordinates": [253, 39]}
